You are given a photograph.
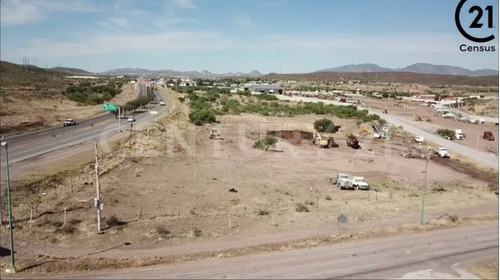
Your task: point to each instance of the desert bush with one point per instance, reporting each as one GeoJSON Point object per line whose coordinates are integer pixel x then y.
{"type": "Point", "coordinates": [162, 231]}
{"type": "Point", "coordinates": [202, 116]}
{"type": "Point", "coordinates": [413, 195]}
{"type": "Point", "coordinates": [324, 125]}
{"type": "Point", "coordinates": [301, 208]}
{"type": "Point", "coordinates": [328, 197]}
{"type": "Point", "coordinates": [453, 218]}
{"type": "Point", "coordinates": [265, 143]}
{"type": "Point", "coordinates": [267, 97]}
{"type": "Point", "coordinates": [197, 232]}
{"type": "Point", "coordinates": [446, 133]}
{"type": "Point", "coordinates": [263, 212]}
{"type": "Point", "coordinates": [309, 202]}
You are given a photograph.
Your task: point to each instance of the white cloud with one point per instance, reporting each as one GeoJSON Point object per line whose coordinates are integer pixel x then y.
{"type": "Point", "coordinates": [244, 21]}
{"type": "Point", "coordinates": [185, 3]}
{"type": "Point", "coordinates": [17, 12]}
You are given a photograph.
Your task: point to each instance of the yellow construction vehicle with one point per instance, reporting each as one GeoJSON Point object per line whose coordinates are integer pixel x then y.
{"type": "Point", "coordinates": [323, 143]}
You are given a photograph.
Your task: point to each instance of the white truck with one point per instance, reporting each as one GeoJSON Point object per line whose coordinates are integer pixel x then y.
{"type": "Point", "coordinates": [343, 181]}
{"type": "Point", "coordinates": [459, 135]}
{"type": "Point", "coordinates": [360, 183]}
{"type": "Point", "coordinates": [69, 122]}
{"type": "Point", "coordinates": [443, 153]}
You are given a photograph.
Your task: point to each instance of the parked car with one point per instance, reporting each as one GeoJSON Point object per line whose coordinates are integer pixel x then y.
{"type": "Point", "coordinates": [343, 181]}
{"type": "Point", "coordinates": [335, 179]}
{"type": "Point", "coordinates": [443, 153]}
{"type": "Point", "coordinates": [162, 103]}
{"type": "Point", "coordinates": [488, 135]}
{"type": "Point", "coordinates": [131, 119]}
{"type": "Point", "coordinates": [69, 122]}
{"type": "Point", "coordinates": [360, 183]}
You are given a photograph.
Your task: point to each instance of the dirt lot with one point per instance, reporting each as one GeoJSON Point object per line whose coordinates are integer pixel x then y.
{"type": "Point", "coordinates": [175, 187]}
{"type": "Point", "coordinates": [473, 132]}
{"type": "Point", "coordinates": [23, 114]}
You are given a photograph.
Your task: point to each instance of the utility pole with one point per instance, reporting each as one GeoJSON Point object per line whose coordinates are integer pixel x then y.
{"type": "Point", "coordinates": [11, 224]}
{"type": "Point", "coordinates": [98, 198]}
{"type": "Point", "coordinates": [423, 191]}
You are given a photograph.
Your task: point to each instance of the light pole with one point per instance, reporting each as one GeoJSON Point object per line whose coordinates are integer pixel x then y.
{"type": "Point", "coordinates": [11, 226]}
{"type": "Point", "coordinates": [423, 191]}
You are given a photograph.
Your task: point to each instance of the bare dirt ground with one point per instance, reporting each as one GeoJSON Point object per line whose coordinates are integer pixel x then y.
{"type": "Point", "coordinates": [174, 188]}
{"type": "Point", "coordinates": [32, 113]}
{"type": "Point", "coordinates": [483, 108]}
{"type": "Point", "coordinates": [487, 269]}
{"type": "Point", "coordinates": [473, 132]}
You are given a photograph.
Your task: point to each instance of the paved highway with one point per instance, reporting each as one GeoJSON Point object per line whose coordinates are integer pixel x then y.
{"type": "Point", "coordinates": [487, 159]}
{"type": "Point", "coordinates": [26, 146]}
{"type": "Point", "coordinates": [411, 254]}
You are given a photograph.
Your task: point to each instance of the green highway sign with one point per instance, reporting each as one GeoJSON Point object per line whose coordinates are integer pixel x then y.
{"type": "Point", "coordinates": [110, 107]}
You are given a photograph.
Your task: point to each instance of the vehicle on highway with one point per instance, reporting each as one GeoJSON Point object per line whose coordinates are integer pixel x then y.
{"type": "Point", "coordinates": [69, 122]}
{"type": "Point", "coordinates": [162, 103]}
{"type": "Point", "coordinates": [419, 139]}
{"type": "Point", "coordinates": [442, 152]}
{"type": "Point", "coordinates": [488, 135]}
{"type": "Point", "coordinates": [131, 119]}
{"type": "Point", "coordinates": [459, 135]}
{"type": "Point", "coordinates": [360, 183]}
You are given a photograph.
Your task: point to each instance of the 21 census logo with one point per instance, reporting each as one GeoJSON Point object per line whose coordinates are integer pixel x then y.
{"type": "Point", "coordinates": [479, 26]}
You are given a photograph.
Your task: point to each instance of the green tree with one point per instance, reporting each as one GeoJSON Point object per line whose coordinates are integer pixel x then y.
{"type": "Point", "coordinates": [265, 143]}
{"type": "Point", "coordinates": [324, 125]}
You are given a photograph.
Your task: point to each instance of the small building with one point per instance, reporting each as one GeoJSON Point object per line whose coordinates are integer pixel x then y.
{"type": "Point", "coordinates": [264, 89]}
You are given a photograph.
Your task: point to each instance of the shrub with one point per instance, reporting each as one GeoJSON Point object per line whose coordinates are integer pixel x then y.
{"type": "Point", "coordinates": [197, 232]}
{"type": "Point", "coordinates": [267, 97]}
{"type": "Point", "coordinates": [263, 212]}
{"type": "Point", "coordinates": [446, 133]}
{"type": "Point", "coordinates": [265, 143]}
{"type": "Point", "coordinates": [301, 208]}
{"type": "Point", "coordinates": [328, 197]}
{"type": "Point", "coordinates": [453, 218]}
{"type": "Point", "coordinates": [162, 231]}
{"type": "Point", "coordinates": [324, 125]}
{"type": "Point", "coordinates": [309, 202]}
{"type": "Point", "coordinates": [203, 116]}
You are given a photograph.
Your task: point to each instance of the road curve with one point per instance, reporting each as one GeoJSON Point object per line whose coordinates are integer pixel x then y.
{"type": "Point", "coordinates": [375, 258]}
{"type": "Point", "coordinates": [487, 159]}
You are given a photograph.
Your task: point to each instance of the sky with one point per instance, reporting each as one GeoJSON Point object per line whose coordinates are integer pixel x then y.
{"type": "Point", "coordinates": [288, 36]}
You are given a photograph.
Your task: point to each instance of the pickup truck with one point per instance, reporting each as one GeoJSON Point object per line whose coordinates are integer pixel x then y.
{"type": "Point", "coordinates": [69, 122]}
{"type": "Point", "coordinates": [443, 153]}
{"type": "Point", "coordinates": [360, 183]}
{"type": "Point", "coordinates": [459, 135]}
{"type": "Point", "coordinates": [343, 181]}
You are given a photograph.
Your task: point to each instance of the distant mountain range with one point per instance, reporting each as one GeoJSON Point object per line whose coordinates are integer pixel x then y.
{"type": "Point", "coordinates": [422, 68]}
{"type": "Point", "coordinates": [68, 70]}
{"type": "Point", "coordinates": [172, 73]}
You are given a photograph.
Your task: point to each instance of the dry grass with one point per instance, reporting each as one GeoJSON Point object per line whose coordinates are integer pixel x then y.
{"type": "Point", "coordinates": [486, 269]}
{"type": "Point", "coordinates": [49, 265]}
